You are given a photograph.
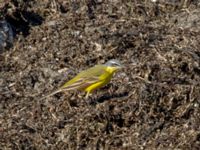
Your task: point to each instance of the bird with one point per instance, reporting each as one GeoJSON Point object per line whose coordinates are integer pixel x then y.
{"type": "Point", "coordinates": [91, 79]}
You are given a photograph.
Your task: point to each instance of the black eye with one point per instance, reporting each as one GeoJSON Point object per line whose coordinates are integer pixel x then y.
{"type": "Point", "coordinates": [115, 64]}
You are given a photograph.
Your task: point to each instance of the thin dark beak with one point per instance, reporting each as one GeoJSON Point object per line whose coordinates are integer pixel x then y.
{"type": "Point", "coordinates": [121, 66]}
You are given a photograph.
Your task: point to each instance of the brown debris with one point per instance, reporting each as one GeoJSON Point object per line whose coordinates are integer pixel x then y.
{"type": "Point", "coordinates": [152, 104]}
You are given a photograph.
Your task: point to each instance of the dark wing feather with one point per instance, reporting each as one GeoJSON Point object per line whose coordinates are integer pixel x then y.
{"type": "Point", "coordinates": [82, 83]}
{"type": "Point", "coordinates": [85, 78]}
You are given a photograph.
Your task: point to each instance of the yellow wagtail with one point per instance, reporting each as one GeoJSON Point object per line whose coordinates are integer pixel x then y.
{"type": "Point", "coordinates": [92, 78]}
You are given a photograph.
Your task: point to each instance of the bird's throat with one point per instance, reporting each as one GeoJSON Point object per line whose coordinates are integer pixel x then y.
{"type": "Point", "coordinates": [111, 69]}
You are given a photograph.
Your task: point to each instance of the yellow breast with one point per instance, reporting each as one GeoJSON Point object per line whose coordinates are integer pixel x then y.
{"type": "Point", "coordinates": [103, 80]}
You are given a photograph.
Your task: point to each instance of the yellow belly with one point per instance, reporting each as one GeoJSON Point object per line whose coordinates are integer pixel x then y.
{"type": "Point", "coordinates": [99, 84]}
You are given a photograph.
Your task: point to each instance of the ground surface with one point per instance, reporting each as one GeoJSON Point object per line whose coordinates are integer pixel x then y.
{"type": "Point", "coordinates": [153, 103]}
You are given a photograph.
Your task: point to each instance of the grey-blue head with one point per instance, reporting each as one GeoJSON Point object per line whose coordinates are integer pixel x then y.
{"type": "Point", "coordinates": [113, 63]}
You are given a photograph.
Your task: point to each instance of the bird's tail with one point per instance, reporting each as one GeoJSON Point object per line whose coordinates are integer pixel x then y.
{"type": "Point", "coordinates": [53, 93]}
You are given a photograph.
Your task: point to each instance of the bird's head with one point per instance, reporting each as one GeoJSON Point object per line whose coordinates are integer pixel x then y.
{"type": "Point", "coordinates": [113, 65]}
